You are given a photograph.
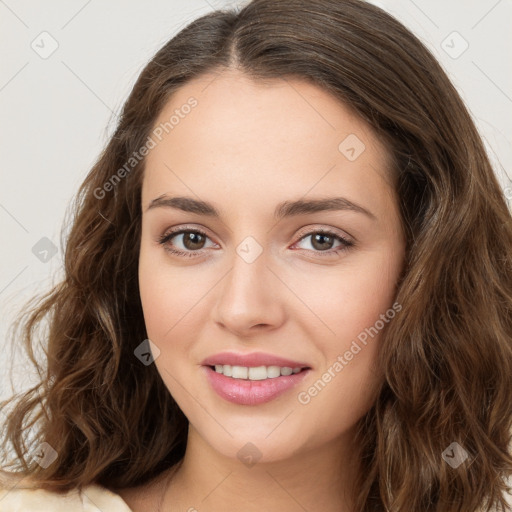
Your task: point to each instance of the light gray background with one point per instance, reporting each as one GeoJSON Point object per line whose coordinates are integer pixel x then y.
{"type": "Point", "coordinates": [58, 111]}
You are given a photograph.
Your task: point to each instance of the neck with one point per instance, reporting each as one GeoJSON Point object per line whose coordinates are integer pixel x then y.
{"type": "Point", "coordinates": [314, 479]}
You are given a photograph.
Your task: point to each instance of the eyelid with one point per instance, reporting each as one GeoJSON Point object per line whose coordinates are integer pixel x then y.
{"type": "Point", "coordinates": [318, 228]}
{"type": "Point", "coordinates": [346, 241]}
{"type": "Point", "coordinates": [306, 230]}
{"type": "Point", "coordinates": [181, 229]}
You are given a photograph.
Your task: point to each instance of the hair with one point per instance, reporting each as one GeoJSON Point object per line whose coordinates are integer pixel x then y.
{"type": "Point", "coordinates": [446, 359]}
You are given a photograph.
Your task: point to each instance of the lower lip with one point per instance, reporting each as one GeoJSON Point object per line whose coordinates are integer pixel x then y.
{"type": "Point", "coordinates": [252, 392]}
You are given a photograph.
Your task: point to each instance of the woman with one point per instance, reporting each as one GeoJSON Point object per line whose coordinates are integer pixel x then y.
{"type": "Point", "coordinates": [288, 285]}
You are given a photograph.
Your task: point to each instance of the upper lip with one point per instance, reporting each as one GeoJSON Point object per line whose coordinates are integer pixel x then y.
{"type": "Point", "coordinates": [251, 360]}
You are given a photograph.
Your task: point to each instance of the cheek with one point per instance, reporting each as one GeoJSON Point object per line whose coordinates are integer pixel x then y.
{"type": "Point", "coordinates": [350, 298]}
{"type": "Point", "coordinates": [169, 312]}
{"type": "Point", "coordinates": [160, 302]}
{"type": "Point", "coordinates": [175, 307]}
{"type": "Point", "coordinates": [356, 303]}
{"type": "Point", "coordinates": [358, 311]}
{"type": "Point", "coordinates": [154, 297]}
{"type": "Point", "coordinates": [167, 315]}
{"type": "Point", "coordinates": [345, 386]}
{"type": "Point", "coordinates": [168, 294]}
{"type": "Point", "coordinates": [369, 294]}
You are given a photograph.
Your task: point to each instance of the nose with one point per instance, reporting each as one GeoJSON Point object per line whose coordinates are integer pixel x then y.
{"type": "Point", "coordinates": [249, 298]}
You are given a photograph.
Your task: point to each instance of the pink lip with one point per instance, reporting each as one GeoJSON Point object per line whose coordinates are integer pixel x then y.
{"type": "Point", "coordinates": [252, 360]}
{"type": "Point", "coordinates": [252, 392]}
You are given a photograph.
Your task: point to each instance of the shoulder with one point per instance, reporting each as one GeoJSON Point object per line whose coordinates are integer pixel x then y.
{"type": "Point", "coordinates": [22, 496]}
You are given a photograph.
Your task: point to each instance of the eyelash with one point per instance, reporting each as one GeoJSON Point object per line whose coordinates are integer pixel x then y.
{"type": "Point", "coordinates": [164, 239]}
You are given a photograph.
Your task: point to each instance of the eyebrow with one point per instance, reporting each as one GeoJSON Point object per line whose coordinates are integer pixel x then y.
{"type": "Point", "coordinates": [284, 209]}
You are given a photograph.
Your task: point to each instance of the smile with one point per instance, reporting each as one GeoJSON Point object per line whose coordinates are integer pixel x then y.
{"type": "Point", "coordinates": [247, 391]}
{"type": "Point", "coordinates": [255, 373]}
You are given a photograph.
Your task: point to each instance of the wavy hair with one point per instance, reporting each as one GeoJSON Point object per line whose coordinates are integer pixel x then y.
{"type": "Point", "coordinates": [446, 360]}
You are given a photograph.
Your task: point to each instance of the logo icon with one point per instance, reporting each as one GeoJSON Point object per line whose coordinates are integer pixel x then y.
{"type": "Point", "coordinates": [351, 147]}
{"type": "Point", "coordinates": [454, 45]}
{"type": "Point", "coordinates": [147, 352]}
{"type": "Point", "coordinates": [249, 249]}
{"type": "Point", "coordinates": [249, 454]}
{"type": "Point", "coordinates": [44, 455]}
{"type": "Point", "coordinates": [44, 45]}
{"type": "Point", "coordinates": [44, 250]}
{"type": "Point", "coordinates": [455, 455]}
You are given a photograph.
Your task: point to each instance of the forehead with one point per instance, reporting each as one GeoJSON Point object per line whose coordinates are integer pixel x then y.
{"type": "Point", "coordinates": [279, 137]}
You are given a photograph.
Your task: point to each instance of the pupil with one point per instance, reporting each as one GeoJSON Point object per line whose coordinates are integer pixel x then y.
{"type": "Point", "coordinates": [318, 238]}
{"type": "Point", "coordinates": [193, 240]}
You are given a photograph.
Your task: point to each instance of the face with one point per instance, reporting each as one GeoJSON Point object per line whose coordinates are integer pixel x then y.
{"type": "Point", "coordinates": [251, 271]}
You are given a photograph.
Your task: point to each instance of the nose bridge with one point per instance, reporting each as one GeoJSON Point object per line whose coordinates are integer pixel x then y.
{"type": "Point", "coordinates": [247, 277]}
{"type": "Point", "coordinates": [246, 297]}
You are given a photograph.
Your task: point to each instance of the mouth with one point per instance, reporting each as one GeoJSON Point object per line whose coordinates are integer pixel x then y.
{"type": "Point", "coordinates": [256, 373]}
{"type": "Point", "coordinates": [253, 385]}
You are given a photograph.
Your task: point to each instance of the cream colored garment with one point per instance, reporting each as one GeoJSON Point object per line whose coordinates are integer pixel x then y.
{"type": "Point", "coordinates": [93, 498]}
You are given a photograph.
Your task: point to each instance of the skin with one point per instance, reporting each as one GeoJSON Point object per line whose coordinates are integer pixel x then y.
{"type": "Point", "coordinates": [246, 147]}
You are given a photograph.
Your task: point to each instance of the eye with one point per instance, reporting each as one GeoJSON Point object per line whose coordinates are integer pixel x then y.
{"type": "Point", "coordinates": [322, 241]}
{"type": "Point", "coordinates": [192, 241]}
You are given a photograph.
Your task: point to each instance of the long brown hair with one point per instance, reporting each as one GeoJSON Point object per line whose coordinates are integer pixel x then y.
{"type": "Point", "coordinates": [446, 359]}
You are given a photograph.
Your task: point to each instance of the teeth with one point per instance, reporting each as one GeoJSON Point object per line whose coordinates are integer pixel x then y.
{"type": "Point", "coordinates": [273, 372]}
{"type": "Point", "coordinates": [255, 373]}
{"type": "Point", "coordinates": [239, 372]}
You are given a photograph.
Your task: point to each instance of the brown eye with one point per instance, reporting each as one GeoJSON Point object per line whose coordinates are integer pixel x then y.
{"type": "Point", "coordinates": [193, 240]}
{"type": "Point", "coordinates": [185, 242]}
{"type": "Point", "coordinates": [322, 242]}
